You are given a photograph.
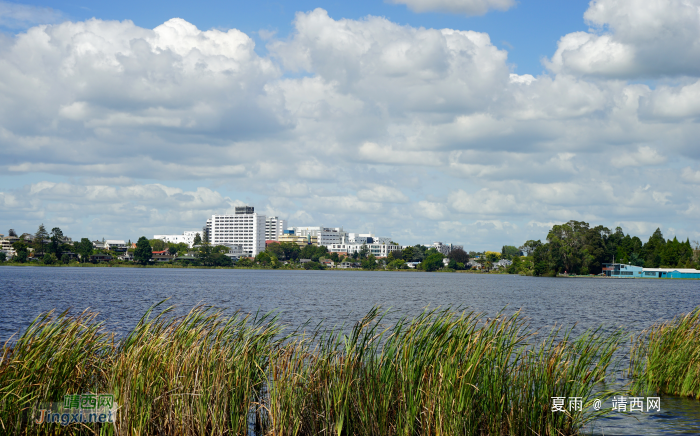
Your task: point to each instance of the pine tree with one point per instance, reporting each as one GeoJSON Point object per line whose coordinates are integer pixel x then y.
{"type": "Point", "coordinates": [40, 236]}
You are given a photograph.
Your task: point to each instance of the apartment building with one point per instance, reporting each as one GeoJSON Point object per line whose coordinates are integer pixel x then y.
{"type": "Point", "coordinates": [244, 227]}
{"type": "Point", "coordinates": [274, 228]}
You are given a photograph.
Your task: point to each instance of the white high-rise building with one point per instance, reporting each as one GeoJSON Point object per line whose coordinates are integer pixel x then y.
{"type": "Point", "coordinates": [244, 227]}
{"type": "Point", "coordinates": [274, 228]}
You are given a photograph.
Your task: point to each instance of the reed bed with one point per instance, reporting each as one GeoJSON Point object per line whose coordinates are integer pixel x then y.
{"type": "Point", "coordinates": [666, 357]}
{"type": "Point", "coordinates": [441, 373]}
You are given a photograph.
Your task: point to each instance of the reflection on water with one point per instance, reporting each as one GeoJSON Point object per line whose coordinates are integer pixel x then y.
{"type": "Point", "coordinates": [122, 295]}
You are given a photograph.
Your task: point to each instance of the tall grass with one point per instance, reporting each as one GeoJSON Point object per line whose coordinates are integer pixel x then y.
{"type": "Point", "coordinates": [205, 373]}
{"type": "Point", "coordinates": [666, 357]}
{"type": "Point", "coordinates": [441, 373]}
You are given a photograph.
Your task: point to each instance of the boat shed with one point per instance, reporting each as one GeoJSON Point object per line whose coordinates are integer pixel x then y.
{"type": "Point", "coordinates": [671, 273]}
{"type": "Point", "coordinates": [622, 270]}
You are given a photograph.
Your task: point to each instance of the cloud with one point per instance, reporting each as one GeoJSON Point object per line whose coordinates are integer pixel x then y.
{"type": "Point", "coordinates": [633, 39]}
{"type": "Point", "coordinates": [690, 176]}
{"type": "Point", "coordinates": [19, 16]}
{"type": "Point", "coordinates": [382, 194]}
{"type": "Point", "coordinates": [366, 123]}
{"type": "Point", "coordinates": [462, 7]}
{"type": "Point", "coordinates": [644, 155]}
{"type": "Point", "coordinates": [484, 202]}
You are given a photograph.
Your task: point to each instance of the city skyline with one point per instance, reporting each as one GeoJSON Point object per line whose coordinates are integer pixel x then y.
{"type": "Point", "coordinates": [477, 122]}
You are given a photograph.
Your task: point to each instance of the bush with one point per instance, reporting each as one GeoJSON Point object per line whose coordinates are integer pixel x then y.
{"type": "Point", "coordinates": [3, 257]}
{"type": "Point", "coordinates": [65, 259]}
{"type": "Point", "coordinates": [313, 265]}
{"type": "Point", "coordinates": [49, 259]}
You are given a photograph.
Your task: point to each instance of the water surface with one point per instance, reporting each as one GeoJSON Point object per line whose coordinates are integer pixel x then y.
{"type": "Point", "coordinates": [122, 295]}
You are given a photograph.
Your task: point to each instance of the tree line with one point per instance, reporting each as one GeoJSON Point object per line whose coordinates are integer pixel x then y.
{"type": "Point", "coordinates": [577, 248]}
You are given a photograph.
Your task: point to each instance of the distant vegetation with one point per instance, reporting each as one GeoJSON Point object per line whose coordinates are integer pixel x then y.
{"type": "Point", "coordinates": [577, 248]}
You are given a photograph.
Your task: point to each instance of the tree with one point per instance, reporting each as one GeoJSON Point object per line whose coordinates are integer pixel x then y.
{"type": "Point", "coordinates": [49, 259]}
{"type": "Point", "coordinates": [56, 244]}
{"type": "Point", "coordinates": [3, 257]}
{"type": "Point", "coordinates": [157, 245]}
{"type": "Point", "coordinates": [65, 258]}
{"type": "Point", "coordinates": [458, 255]}
{"type": "Point", "coordinates": [291, 250]}
{"type": "Point", "coordinates": [407, 254]}
{"type": "Point", "coordinates": [369, 263]}
{"type": "Point", "coordinates": [143, 251]}
{"type": "Point", "coordinates": [432, 262]}
{"type": "Point", "coordinates": [363, 251]}
{"type": "Point", "coordinates": [40, 237]}
{"type": "Point", "coordinates": [509, 251]}
{"type": "Point", "coordinates": [197, 239]}
{"type": "Point", "coordinates": [263, 258]}
{"type": "Point", "coordinates": [172, 250]}
{"type": "Point", "coordinates": [12, 233]}
{"type": "Point", "coordinates": [21, 251]}
{"type": "Point", "coordinates": [276, 249]}
{"type": "Point", "coordinates": [84, 248]}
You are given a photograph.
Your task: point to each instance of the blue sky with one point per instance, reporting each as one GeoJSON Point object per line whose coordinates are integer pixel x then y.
{"type": "Point", "coordinates": [480, 122]}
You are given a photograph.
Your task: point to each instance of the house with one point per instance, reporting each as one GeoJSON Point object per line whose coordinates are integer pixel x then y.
{"type": "Point", "coordinates": [302, 261]}
{"type": "Point", "coordinates": [101, 257]}
{"type": "Point", "coordinates": [118, 246]}
{"type": "Point", "coordinates": [127, 257]}
{"type": "Point", "coordinates": [328, 263]}
{"type": "Point", "coordinates": [162, 256]}
{"type": "Point", "coordinates": [503, 263]}
{"type": "Point", "coordinates": [346, 265]}
{"type": "Point", "coordinates": [412, 264]}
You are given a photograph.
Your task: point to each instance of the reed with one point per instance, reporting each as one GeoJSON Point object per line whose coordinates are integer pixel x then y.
{"type": "Point", "coordinates": [206, 373]}
{"type": "Point", "coordinates": [441, 373]}
{"type": "Point", "coordinates": [665, 358]}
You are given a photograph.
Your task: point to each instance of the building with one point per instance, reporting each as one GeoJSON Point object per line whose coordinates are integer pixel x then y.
{"type": "Point", "coordinates": [301, 241]}
{"type": "Point", "coordinates": [186, 237]}
{"type": "Point", "coordinates": [244, 227]}
{"type": "Point", "coordinates": [445, 249]}
{"type": "Point", "coordinates": [671, 273]}
{"type": "Point", "coordinates": [118, 246]}
{"type": "Point", "coordinates": [274, 228]}
{"type": "Point", "coordinates": [378, 250]}
{"type": "Point", "coordinates": [162, 256]}
{"type": "Point", "coordinates": [235, 251]}
{"type": "Point", "coordinates": [620, 270]}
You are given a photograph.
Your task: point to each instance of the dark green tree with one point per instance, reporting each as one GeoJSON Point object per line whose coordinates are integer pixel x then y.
{"type": "Point", "coordinates": [197, 239]}
{"type": "Point", "coordinates": [143, 251]}
{"type": "Point", "coordinates": [459, 255]}
{"type": "Point", "coordinates": [157, 245]}
{"type": "Point", "coordinates": [432, 262]}
{"type": "Point", "coordinates": [508, 251]}
{"type": "Point", "coordinates": [276, 249]}
{"type": "Point", "coordinates": [21, 251]}
{"type": "Point", "coordinates": [40, 238]}
{"type": "Point", "coordinates": [56, 244]}
{"type": "Point", "coordinates": [84, 248]}
{"type": "Point", "coordinates": [407, 254]}
{"type": "Point", "coordinates": [291, 250]}
{"type": "Point", "coordinates": [3, 257]}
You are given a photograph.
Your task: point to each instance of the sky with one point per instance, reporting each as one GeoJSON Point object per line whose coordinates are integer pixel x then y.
{"type": "Point", "coordinates": [474, 122]}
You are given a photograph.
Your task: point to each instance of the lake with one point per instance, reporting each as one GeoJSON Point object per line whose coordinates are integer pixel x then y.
{"type": "Point", "coordinates": [122, 295]}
